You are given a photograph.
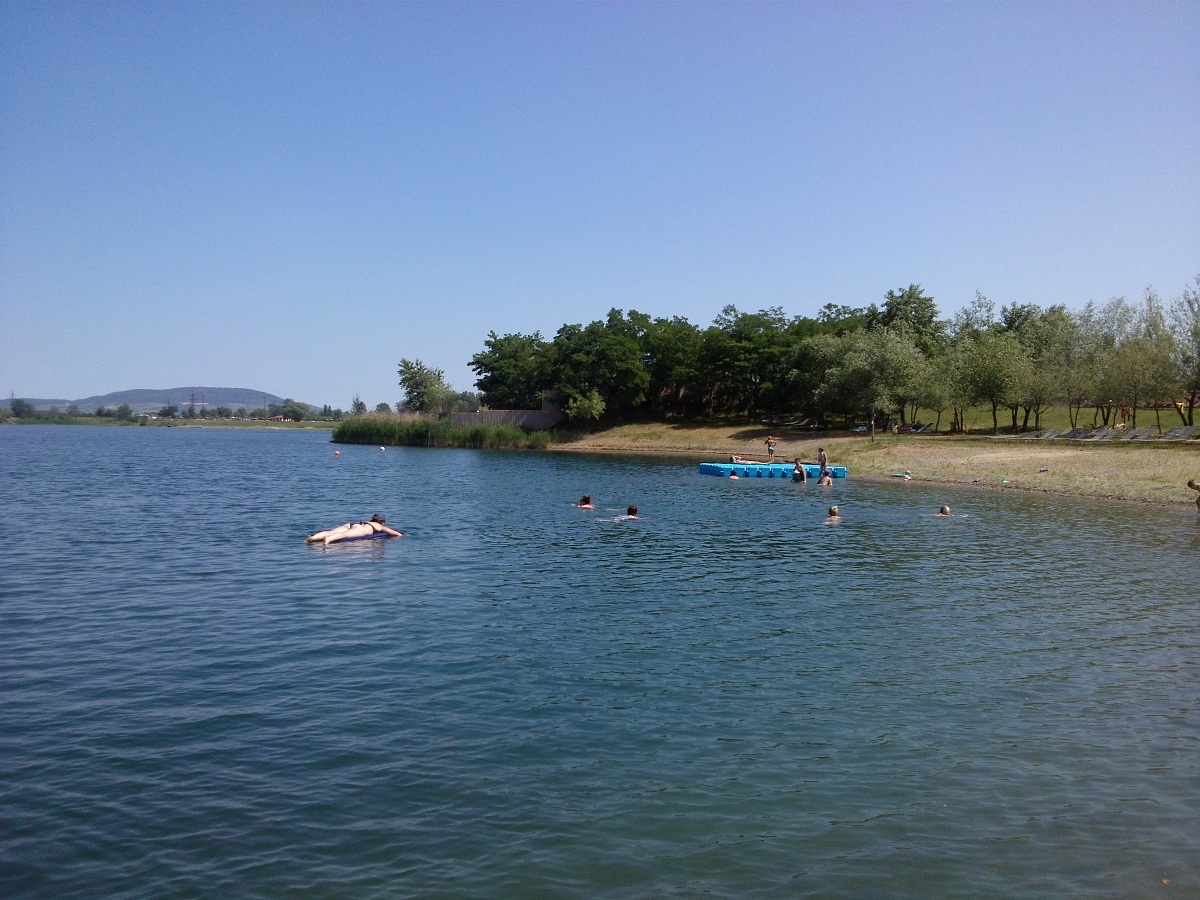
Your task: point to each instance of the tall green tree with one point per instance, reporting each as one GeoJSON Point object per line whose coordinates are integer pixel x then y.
{"type": "Point", "coordinates": [909, 312]}
{"type": "Point", "coordinates": [993, 368]}
{"type": "Point", "coordinates": [512, 370]}
{"type": "Point", "coordinates": [597, 358]}
{"type": "Point", "coordinates": [877, 371]}
{"type": "Point", "coordinates": [425, 388]}
{"type": "Point", "coordinates": [1185, 325]}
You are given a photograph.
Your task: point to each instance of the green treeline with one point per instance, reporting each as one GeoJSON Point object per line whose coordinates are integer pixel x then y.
{"type": "Point", "coordinates": [427, 431]}
{"type": "Point", "coordinates": [878, 362]}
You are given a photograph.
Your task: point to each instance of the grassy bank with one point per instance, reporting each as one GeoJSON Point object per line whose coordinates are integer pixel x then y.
{"type": "Point", "coordinates": [396, 431]}
{"type": "Point", "coordinates": [1144, 472]}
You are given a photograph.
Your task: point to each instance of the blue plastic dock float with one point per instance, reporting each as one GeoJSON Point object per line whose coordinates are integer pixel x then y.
{"type": "Point", "coordinates": [766, 470]}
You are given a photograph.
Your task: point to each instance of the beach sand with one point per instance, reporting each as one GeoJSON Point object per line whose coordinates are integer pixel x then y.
{"type": "Point", "coordinates": [1141, 472]}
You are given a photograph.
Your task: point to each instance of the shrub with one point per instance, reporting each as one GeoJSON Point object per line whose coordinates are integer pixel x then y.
{"type": "Point", "coordinates": [398, 431]}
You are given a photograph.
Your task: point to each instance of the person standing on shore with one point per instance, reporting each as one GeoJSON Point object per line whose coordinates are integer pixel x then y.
{"type": "Point", "coordinates": [822, 460]}
{"type": "Point", "coordinates": [770, 449]}
{"type": "Point", "coordinates": [1195, 487]}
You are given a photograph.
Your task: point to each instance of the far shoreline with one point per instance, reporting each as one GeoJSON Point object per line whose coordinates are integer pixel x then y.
{"type": "Point", "coordinates": [1143, 473]}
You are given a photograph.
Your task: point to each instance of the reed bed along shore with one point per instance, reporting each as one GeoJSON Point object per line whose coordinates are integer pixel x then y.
{"type": "Point", "coordinates": [1142, 472]}
{"type": "Point", "coordinates": [405, 431]}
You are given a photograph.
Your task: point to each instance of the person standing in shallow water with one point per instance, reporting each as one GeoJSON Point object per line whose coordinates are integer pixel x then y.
{"type": "Point", "coordinates": [799, 473]}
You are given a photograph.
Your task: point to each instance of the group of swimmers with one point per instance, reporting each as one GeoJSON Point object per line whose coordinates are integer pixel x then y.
{"type": "Point", "coordinates": [835, 515]}
{"type": "Point", "coordinates": [585, 502]}
{"type": "Point", "coordinates": [376, 526]}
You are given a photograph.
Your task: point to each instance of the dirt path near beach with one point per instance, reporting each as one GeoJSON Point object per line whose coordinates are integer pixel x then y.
{"type": "Point", "coordinates": [1143, 472]}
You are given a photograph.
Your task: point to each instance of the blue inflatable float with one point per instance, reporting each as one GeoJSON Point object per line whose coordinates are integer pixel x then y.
{"type": "Point", "coordinates": [766, 470]}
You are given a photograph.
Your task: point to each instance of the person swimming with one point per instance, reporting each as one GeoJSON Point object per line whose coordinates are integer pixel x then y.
{"type": "Point", "coordinates": [944, 511]}
{"type": "Point", "coordinates": [631, 513]}
{"type": "Point", "coordinates": [585, 502]}
{"type": "Point", "coordinates": [376, 525]}
{"type": "Point", "coordinates": [834, 515]}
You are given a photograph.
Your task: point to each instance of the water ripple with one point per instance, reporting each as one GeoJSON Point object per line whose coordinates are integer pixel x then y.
{"type": "Point", "coordinates": [521, 698]}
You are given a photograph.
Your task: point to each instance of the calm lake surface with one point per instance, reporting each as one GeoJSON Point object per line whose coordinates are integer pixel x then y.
{"type": "Point", "coordinates": [523, 699]}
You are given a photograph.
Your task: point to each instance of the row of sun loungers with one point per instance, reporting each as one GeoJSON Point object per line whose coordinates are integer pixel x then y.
{"type": "Point", "coordinates": [1104, 435]}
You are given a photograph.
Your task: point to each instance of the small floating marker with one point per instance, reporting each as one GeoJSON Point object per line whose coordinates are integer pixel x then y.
{"type": "Point", "coordinates": [337, 452]}
{"type": "Point", "coordinates": [381, 449]}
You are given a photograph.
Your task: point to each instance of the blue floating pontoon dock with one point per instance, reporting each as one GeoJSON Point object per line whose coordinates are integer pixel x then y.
{"type": "Point", "coordinates": [766, 470]}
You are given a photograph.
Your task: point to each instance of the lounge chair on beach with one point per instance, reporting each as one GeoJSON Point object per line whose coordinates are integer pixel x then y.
{"type": "Point", "coordinates": [1050, 434]}
{"type": "Point", "coordinates": [1075, 434]}
{"type": "Point", "coordinates": [1183, 433]}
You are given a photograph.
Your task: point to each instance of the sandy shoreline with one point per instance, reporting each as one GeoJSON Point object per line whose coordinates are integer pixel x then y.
{"type": "Point", "coordinates": [1142, 473]}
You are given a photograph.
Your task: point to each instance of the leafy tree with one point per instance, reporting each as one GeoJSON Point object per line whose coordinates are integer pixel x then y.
{"type": "Point", "coordinates": [588, 408]}
{"type": "Point", "coordinates": [1046, 336]}
{"type": "Point", "coordinates": [993, 367]}
{"type": "Point", "coordinates": [170, 411]}
{"type": "Point", "coordinates": [909, 312]}
{"type": "Point", "coordinates": [1185, 322]}
{"type": "Point", "coordinates": [595, 357]}
{"type": "Point", "coordinates": [425, 389]}
{"type": "Point", "coordinates": [839, 319]}
{"type": "Point", "coordinates": [512, 371]}
{"type": "Point", "coordinates": [357, 407]}
{"type": "Point", "coordinates": [671, 355]}
{"type": "Point", "coordinates": [877, 370]}
{"type": "Point", "coordinates": [22, 409]}
{"type": "Point", "coordinates": [383, 407]}
{"type": "Point", "coordinates": [466, 401]}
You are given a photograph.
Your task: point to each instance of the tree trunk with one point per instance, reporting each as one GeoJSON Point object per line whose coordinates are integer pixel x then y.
{"type": "Point", "coordinates": [995, 421]}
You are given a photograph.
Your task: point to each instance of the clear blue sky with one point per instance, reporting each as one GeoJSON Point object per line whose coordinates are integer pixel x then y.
{"type": "Point", "coordinates": [290, 197]}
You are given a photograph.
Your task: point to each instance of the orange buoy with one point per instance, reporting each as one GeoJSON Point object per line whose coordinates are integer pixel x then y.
{"type": "Point", "coordinates": [337, 452]}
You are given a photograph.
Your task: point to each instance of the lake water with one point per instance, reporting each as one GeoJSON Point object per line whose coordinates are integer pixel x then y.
{"type": "Point", "coordinates": [524, 699]}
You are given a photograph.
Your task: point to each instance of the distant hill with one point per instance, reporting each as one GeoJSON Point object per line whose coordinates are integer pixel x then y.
{"type": "Point", "coordinates": [182, 397]}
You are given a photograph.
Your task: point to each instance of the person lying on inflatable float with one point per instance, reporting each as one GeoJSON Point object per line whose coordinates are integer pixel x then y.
{"type": "Point", "coordinates": [376, 526]}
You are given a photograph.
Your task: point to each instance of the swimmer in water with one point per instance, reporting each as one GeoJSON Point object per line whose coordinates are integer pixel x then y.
{"type": "Point", "coordinates": [834, 515]}
{"type": "Point", "coordinates": [631, 513]}
{"type": "Point", "coordinates": [825, 479]}
{"type": "Point", "coordinates": [585, 502]}
{"type": "Point", "coordinates": [944, 511]}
